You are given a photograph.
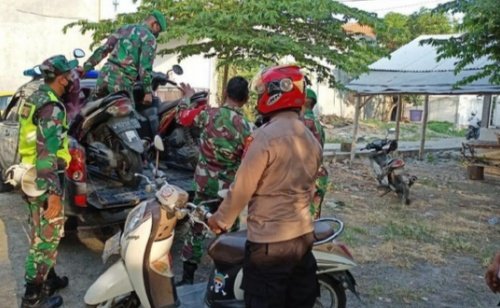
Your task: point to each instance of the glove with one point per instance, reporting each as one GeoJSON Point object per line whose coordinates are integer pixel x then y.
{"type": "Point", "coordinates": [54, 207]}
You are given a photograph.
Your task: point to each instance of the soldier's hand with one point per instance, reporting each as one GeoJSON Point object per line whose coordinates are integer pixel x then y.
{"type": "Point", "coordinates": [54, 207]}
{"type": "Point", "coordinates": [186, 89]}
{"type": "Point", "coordinates": [148, 99]}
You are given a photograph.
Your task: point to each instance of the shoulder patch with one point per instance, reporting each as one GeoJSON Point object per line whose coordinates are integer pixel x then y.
{"type": "Point", "coordinates": [26, 110]}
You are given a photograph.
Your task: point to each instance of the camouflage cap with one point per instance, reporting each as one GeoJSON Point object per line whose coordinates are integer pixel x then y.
{"type": "Point", "coordinates": [57, 65]}
{"type": "Point", "coordinates": [311, 94]}
{"type": "Point", "coordinates": [160, 18]}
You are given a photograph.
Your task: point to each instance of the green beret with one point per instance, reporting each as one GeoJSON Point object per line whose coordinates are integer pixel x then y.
{"type": "Point", "coordinates": [160, 18]}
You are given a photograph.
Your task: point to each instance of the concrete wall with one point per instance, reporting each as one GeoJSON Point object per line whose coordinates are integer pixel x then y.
{"type": "Point", "coordinates": [31, 31]}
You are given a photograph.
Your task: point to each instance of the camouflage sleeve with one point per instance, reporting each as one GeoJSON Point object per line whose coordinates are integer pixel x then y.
{"type": "Point", "coordinates": [49, 132]}
{"type": "Point", "coordinates": [146, 59]}
{"type": "Point", "coordinates": [101, 52]}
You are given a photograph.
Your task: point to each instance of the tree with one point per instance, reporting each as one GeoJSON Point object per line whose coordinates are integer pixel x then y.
{"type": "Point", "coordinates": [398, 29]}
{"type": "Point", "coordinates": [426, 22]}
{"type": "Point", "coordinates": [480, 28]}
{"type": "Point", "coordinates": [394, 31]}
{"type": "Point", "coordinates": [248, 33]}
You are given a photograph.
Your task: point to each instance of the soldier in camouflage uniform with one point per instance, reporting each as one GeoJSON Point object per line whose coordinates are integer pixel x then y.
{"type": "Point", "coordinates": [43, 143]}
{"type": "Point", "coordinates": [222, 141]}
{"type": "Point", "coordinates": [312, 122]}
{"type": "Point", "coordinates": [132, 49]}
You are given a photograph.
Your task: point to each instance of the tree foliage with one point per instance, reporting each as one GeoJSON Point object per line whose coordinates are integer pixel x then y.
{"type": "Point", "coordinates": [398, 29]}
{"type": "Point", "coordinates": [248, 33]}
{"type": "Point", "coordinates": [480, 28]}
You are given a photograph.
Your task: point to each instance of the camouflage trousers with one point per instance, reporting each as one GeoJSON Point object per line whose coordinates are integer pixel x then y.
{"type": "Point", "coordinates": [194, 243]}
{"type": "Point", "coordinates": [321, 185]}
{"type": "Point", "coordinates": [44, 240]}
{"type": "Point", "coordinates": [111, 80]}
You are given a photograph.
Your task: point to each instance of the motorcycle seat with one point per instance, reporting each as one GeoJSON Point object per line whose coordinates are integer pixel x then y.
{"type": "Point", "coordinates": [322, 230]}
{"type": "Point", "coordinates": [229, 247]}
{"type": "Point", "coordinates": [92, 106]}
{"type": "Point", "coordinates": [166, 106]}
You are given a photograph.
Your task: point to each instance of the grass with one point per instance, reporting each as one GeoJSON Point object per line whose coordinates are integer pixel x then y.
{"type": "Point", "coordinates": [408, 230]}
{"type": "Point", "coordinates": [408, 131]}
{"type": "Point", "coordinates": [442, 221]}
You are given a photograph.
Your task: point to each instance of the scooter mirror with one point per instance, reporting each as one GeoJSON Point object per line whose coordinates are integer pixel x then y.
{"type": "Point", "coordinates": [78, 53]}
{"type": "Point", "coordinates": [177, 69]}
{"type": "Point", "coordinates": [159, 144]}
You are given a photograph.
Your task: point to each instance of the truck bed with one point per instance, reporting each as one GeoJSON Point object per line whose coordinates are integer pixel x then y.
{"type": "Point", "coordinates": [106, 193]}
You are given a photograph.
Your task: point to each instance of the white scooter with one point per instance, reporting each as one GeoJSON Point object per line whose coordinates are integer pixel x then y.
{"type": "Point", "coordinates": [143, 276]}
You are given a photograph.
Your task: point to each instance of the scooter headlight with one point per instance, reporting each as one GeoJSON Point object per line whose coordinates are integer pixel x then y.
{"type": "Point", "coordinates": [134, 218]}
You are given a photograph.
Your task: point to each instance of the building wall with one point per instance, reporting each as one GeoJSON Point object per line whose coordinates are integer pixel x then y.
{"type": "Point", "coordinates": [31, 31]}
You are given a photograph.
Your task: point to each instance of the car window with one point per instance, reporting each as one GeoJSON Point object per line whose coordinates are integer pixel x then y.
{"type": "Point", "coordinates": [3, 102]}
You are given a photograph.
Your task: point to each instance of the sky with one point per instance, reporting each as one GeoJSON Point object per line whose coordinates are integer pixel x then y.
{"type": "Point", "coordinates": [381, 7]}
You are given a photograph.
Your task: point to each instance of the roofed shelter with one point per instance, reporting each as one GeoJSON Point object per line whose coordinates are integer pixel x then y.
{"type": "Point", "coordinates": [413, 69]}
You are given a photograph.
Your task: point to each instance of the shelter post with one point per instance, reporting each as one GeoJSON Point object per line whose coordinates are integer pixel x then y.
{"type": "Point", "coordinates": [485, 116]}
{"type": "Point", "coordinates": [398, 116]}
{"type": "Point", "coordinates": [424, 127]}
{"type": "Point", "coordinates": [357, 109]}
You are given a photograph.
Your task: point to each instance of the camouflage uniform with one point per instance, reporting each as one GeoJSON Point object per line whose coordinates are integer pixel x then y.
{"type": "Point", "coordinates": [132, 50]}
{"type": "Point", "coordinates": [222, 141]}
{"type": "Point", "coordinates": [316, 128]}
{"type": "Point", "coordinates": [51, 123]}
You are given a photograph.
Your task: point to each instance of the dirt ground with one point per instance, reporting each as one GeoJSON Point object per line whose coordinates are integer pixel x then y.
{"type": "Point", "coordinates": [432, 253]}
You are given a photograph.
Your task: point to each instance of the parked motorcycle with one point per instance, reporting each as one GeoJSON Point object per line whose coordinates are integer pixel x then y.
{"type": "Point", "coordinates": [474, 127]}
{"type": "Point", "coordinates": [389, 171]}
{"type": "Point", "coordinates": [162, 118]}
{"type": "Point", "coordinates": [144, 277]}
{"type": "Point", "coordinates": [107, 128]}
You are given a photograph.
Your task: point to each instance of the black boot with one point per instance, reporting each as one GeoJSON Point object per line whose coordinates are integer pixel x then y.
{"type": "Point", "coordinates": [54, 283]}
{"type": "Point", "coordinates": [33, 298]}
{"type": "Point", "coordinates": [187, 274]}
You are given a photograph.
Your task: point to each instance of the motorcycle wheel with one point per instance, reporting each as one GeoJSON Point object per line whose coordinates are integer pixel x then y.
{"type": "Point", "coordinates": [332, 293]}
{"type": "Point", "coordinates": [402, 190]}
{"type": "Point", "coordinates": [129, 164]}
{"type": "Point", "coordinates": [4, 187]}
{"type": "Point", "coordinates": [129, 301]}
{"type": "Point", "coordinates": [377, 171]}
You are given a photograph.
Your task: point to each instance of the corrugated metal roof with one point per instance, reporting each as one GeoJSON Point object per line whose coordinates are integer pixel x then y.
{"type": "Point", "coordinates": [413, 68]}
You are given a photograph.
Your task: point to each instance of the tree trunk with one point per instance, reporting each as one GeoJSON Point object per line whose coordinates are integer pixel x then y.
{"type": "Point", "coordinates": [225, 76]}
{"type": "Point", "coordinates": [355, 128]}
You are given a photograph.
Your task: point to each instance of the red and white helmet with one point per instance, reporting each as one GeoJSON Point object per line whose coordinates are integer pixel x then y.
{"type": "Point", "coordinates": [278, 88]}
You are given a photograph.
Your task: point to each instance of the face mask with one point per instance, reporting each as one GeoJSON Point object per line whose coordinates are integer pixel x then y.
{"type": "Point", "coordinates": [69, 87]}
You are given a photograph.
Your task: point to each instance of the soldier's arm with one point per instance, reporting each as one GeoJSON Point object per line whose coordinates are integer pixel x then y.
{"type": "Point", "coordinates": [101, 52]}
{"type": "Point", "coordinates": [49, 137]}
{"type": "Point", "coordinates": [146, 59]}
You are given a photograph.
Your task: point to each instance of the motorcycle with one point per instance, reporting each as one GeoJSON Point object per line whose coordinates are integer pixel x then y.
{"type": "Point", "coordinates": [163, 118]}
{"type": "Point", "coordinates": [389, 171]}
{"type": "Point", "coordinates": [473, 128]}
{"type": "Point", "coordinates": [107, 128]}
{"type": "Point", "coordinates": [143, 276]}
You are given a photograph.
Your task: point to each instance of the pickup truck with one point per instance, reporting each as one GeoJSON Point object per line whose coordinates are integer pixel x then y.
{"type": "Point", "coordinates": [92, 198]}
